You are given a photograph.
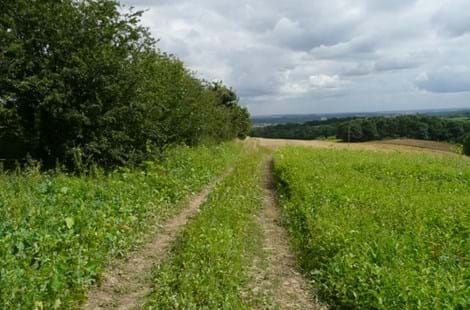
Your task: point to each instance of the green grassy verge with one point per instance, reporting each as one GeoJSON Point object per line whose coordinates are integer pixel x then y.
{"type": "Point", "coordinates": [379, 231]}
{"type": "Point", "coordinates": [57, 232]}
{"type": "Point", "coordinates": [208, 266]}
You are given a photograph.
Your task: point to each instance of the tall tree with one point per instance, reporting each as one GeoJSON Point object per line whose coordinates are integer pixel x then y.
{"type": "Point", "coordinates": [81, 80]}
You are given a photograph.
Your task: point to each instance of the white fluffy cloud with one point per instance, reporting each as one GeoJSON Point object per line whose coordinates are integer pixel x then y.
{"type": "Point", "coordinates": [304, 56]}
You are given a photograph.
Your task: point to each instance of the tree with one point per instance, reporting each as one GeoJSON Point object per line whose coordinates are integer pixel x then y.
{"type": "Point", "coordinates": [71, 77]}
{"type": "Point", "coordinates": [456, 131]}
{"type": "Point", "coordinates": [466, 145]}
{"type": "Point", "coordinates": [369, 130]}
{"type": "Point", "coordinates": [350, 131]}
{"type": "Point", "coordinates": [81, 78]}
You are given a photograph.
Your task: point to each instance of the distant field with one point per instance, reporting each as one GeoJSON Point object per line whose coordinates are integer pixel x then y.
{"type": "Point", "coordinates": [429, 145]}
{"type": "Point", "coordinates": [377, 230]}
{"type": "Point", "coordinates": [408, 145]}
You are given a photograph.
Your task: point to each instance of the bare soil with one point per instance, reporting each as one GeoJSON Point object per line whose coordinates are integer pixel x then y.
{"type": "Point", "coordinates": [280, 278]}
{"type": "Point", "coordinates": [127, 282]}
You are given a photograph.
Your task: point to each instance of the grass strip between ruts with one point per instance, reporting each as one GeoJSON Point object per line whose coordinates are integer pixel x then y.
{"type": "Point", "coordinates": [209, 265]}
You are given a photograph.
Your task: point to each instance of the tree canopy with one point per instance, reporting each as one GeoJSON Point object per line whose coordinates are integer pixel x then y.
{"type": "Point", "coordinates": [83, 81]}
{"type": "Point", "coordinates": [466, 145]}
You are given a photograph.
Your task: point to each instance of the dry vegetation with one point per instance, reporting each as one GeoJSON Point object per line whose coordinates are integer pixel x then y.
{"type": "Point", "coordinates": [406, 145]}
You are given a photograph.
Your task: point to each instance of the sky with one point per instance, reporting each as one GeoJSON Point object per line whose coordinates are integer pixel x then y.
{"type": "Point", "coordinates": [311, 56]}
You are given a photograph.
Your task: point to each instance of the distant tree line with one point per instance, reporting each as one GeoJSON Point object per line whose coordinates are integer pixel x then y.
{"type": "Point", "coordinates": [408, 126]}
{"type": "Point", "coordinates": [306, 131]}
{"type": "Point", "coordinates": [367, 129]}
{"type": "Point", "coordinates": [81, 81]}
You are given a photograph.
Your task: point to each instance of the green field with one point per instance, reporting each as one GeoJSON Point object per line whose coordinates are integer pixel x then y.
{"type": "Point", "coordinates": [58, 231]}
{"type": "Point", "coordinates": [370, 230]}
{"type": "Point", "coordinates": [376, 230]}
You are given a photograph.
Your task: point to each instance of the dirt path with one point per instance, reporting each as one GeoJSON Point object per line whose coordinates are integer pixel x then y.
{"type": "Point", "coordinates": [288, 287]}
{"type": "Point", "coordinates": [127, 282]}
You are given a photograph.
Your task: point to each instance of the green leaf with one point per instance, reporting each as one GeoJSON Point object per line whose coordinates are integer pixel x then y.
{"type": "Point", "coordinates": [69, 222]}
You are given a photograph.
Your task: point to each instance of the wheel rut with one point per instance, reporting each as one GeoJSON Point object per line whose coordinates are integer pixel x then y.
{"type": "Point", "coordinates": [127, 282]}
{"type": "Point", "coordinates": [280, 279]}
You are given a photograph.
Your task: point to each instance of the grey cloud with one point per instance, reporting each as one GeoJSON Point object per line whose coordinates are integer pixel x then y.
{"type": "Point", "coordinates": [358, 69]}
{"type": "Point", "coordinates": [378, 64]}
{"type": "Point", "coordinates": [445, 81]}
{"type": "Point", "coordinates": [320, 56]}
{"type": "Point", "coordinates": [453, 18]}
{"type": "Point", "coordinates": [395, 63]}
{"type": "Point", "coordinates": [375, 5]}
{"type": "Point", "coordinates": [259, 70]}
{"type": "Point", "coordinates": [296, 36]}
{"type": "Point", "coordinates": [358, 47]}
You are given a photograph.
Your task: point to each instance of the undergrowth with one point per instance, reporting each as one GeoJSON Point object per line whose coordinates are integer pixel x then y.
{"type": "Point", "coordinates": [58, 231]}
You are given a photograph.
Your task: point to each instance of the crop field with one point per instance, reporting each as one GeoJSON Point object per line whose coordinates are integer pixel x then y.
{"type": "Point", "coordinates": [58, 231]}
{"type": "Point", "coordinates": [356, 229]}
{"type": "Point", "coordinates": [423, 144]}
{"type": "Point", "coordinates": [379, 230]}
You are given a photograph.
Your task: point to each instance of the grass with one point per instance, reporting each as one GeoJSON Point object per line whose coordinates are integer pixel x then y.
{"type": "Point", "coordinates": [58, 231]}
{"type": "Point", "coordinates": [209, 265]}
{"type": "Point", "coordinates": [379, 230]}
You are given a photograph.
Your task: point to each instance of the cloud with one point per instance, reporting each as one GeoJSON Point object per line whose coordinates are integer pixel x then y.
{"type": "Point", "coordinates": [304, 56]}
{"type": "Point", "coordinates": [387, 6]}
{"type": "Point", "coordinates": [321, 86]}
{"type": "Point", "coordinates": [447, 80]}
{"type": "Point", "coordinates": [396, 63]}
{"type": "Point", "coordinates": [359, 47]}
{"type": "Point", "coordinates": [358, 69]}
{"type": "Point", "coordinates": [325, 81]}
{"type": "Point", "coordinates": [453, 18]}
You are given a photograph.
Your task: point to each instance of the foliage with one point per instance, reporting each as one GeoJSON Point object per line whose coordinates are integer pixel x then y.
{"type": "Point", "coordinates": [466, 145]}
{"type": "Point", "coordinates": [208, 265]}
{"type": "Point", "coordinates": [79, 80]}
{"type": "Point", "coordinates": [308, 131]}
{"type": "Point", "coordinates": [58, 231]}
{"type": "Point", "coordinates": [409, 126]}
{"type": "Point", "coordinates": [379, 230]}
{"type": "Point", "coordinates": [376, 128]}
